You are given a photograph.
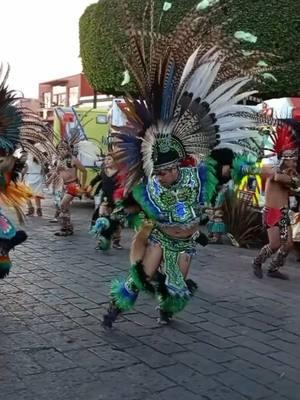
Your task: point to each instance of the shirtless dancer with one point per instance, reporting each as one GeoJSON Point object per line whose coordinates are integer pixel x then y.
{"type": "Point", "coordinates": [67, 168]}
{"type": "Point", "coordinates": [279, 185]}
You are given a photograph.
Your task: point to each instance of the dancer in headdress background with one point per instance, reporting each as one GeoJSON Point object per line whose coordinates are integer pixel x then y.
{"type": "Point", "coordinates": [108, 182]}
{"type": "Point", "coordinates": [66, 175]}
{"type": "Point", "coordinates": [282, 181]}
{"type": "Point", "coordinates": [189, 84]}
{"type": "Point", "coordinates": [20, 129]}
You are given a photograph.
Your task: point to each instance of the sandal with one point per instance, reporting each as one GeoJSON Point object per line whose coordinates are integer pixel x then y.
{"type": "Point", "coordinates": [64, 233]}
{"type": "Point", "coordinates": [116, 245]}
{"type": "Point", "coordinates": [257, 270]}
{"type": "Point", "coordinates": [165, 317]}
{"type": "Point", "coordinates": [111, 315]}
{"type": "Point", "coordinates": [278, 275]}
{"type": "Point", "coordinates": [30, 212]}
{"type": "Point", "coordinates": [232, 239]}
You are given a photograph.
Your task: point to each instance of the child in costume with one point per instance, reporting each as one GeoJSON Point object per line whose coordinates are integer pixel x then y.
{"type": "Point", "coordinates": [209, 214]}
{"type": "Point", "coordinates": [188, 95]}
{"type": "Point", "coordinates": [217, 228]}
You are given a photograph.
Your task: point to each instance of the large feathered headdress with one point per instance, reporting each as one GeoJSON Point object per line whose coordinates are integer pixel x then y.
{"type": "Point", "coordinates": [20, 128]}
{"type": "Point", "coordinates": [190, 84]}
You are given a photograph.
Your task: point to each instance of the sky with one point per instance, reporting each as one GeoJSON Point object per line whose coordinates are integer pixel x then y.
{"type": "Point", "coordinates": [40, 41]}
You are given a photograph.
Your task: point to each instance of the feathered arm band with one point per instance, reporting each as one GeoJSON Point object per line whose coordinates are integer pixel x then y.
{"type": "Point", "coordinates": [209, 181]}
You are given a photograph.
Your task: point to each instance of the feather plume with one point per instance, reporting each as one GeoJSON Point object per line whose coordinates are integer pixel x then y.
{"type": "Point", "coordinates": [282, 139]}
{"type": "Point", "coordinates": [20, 128]}
{"type": "Point", "coordinates": [190, 83]}
{"type": "Point", "coordinates": [235, 210]}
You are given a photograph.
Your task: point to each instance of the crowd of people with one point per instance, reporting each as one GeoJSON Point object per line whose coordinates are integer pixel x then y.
{"type": "Point", "coordinates": [107, 183]}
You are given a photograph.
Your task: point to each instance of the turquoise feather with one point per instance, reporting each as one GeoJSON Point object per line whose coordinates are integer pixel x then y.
{"type": "Point", "coordinates": [243, 165]}
{"type": "Point", "coordinates": [141, 196]}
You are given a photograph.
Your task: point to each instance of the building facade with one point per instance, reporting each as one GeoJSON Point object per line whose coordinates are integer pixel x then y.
{"type": "Point", "coordinates": [63, 92]}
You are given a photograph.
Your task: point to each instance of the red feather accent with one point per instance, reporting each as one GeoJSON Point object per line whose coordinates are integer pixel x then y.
{"type": "Point", "coordinates": [118, 194]}
{"type": "Point", "coordinates": [282, 139]}
{"type": "Point", "coordinates": [189, 161]}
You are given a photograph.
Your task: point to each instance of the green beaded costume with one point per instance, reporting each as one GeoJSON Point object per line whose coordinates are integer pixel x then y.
{"type": "Point", "coordinates": [188, 93]}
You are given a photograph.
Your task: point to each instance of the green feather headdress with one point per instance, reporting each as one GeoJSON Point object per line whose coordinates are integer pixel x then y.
{"type": "Point", "coordinates": [190, 86]}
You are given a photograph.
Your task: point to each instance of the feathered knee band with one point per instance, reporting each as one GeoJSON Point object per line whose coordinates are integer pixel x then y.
{"type": "Point", "coordinates": [124, 292]}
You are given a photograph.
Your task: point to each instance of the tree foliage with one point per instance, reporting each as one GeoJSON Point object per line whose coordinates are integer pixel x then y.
{"type": "Point", "coordinates": [100, 32]}
{"type": "Point", "coordinates": [275, 23]}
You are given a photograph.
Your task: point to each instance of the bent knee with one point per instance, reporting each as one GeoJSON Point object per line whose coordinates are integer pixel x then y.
{"type": "Point", "coordinates": [275, 246]}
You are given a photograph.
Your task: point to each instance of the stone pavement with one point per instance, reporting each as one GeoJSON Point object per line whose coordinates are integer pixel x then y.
{"type": "Point", "coordinates": [238, 339]}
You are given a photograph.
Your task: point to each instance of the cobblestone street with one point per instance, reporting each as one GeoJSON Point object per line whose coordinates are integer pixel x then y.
{"type": "Point", "coordinates": [238, 339]}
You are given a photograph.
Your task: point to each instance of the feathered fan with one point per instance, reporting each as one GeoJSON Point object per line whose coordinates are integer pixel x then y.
{"type": "Point", "coordinates": [190, 84]}
{"type": "Point", "coordinates": [236, 210]}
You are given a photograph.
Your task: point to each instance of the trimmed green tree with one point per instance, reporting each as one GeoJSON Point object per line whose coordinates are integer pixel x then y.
{"type": "Point", "coordinates": [275, 23]}
{"type": "Point", "coordinates": [99, 29]}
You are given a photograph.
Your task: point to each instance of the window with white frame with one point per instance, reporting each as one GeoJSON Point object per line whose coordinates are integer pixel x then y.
{"type": "Point", "coordinates": [73, 96]}
{"type": "Point", "coordinates": [47, 99]}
